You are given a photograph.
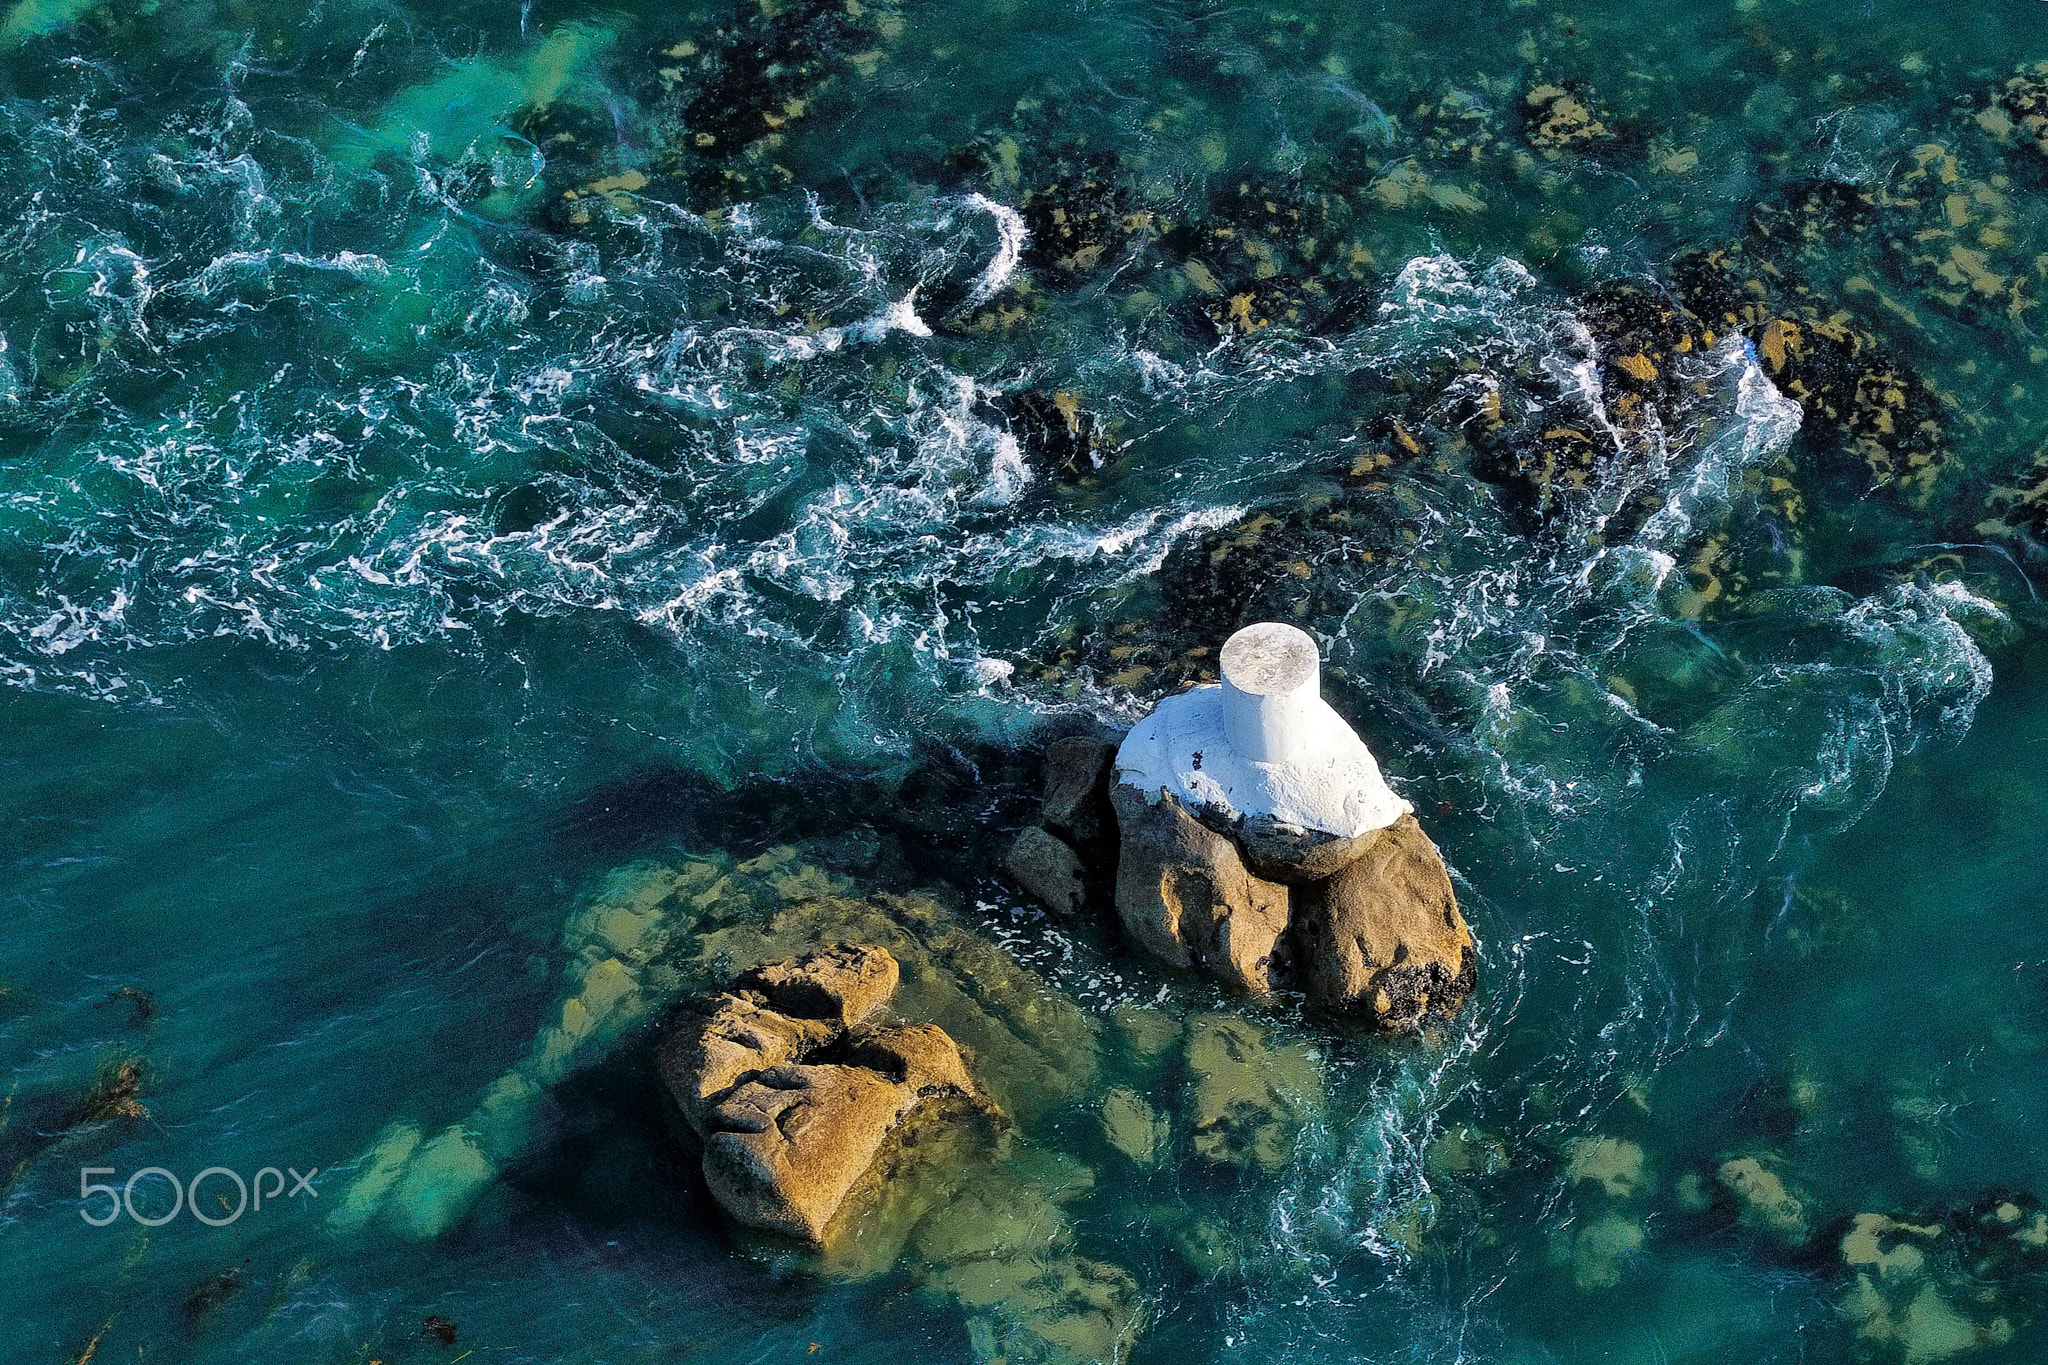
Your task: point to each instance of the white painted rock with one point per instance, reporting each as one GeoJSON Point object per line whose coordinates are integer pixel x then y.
{"type": "Point", "coordinates": [1262, 745]}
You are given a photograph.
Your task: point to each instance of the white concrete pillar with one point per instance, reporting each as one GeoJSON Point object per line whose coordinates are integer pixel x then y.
{"type": "Point", "coordinates": [1272, 693]}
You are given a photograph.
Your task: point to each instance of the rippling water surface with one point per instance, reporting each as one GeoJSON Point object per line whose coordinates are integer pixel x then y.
{"type": "Point", "coordinates": [451, 454]}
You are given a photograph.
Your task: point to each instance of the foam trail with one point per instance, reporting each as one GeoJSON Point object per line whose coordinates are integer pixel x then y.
{"type": "Point", "coordinates": [1011, 234]}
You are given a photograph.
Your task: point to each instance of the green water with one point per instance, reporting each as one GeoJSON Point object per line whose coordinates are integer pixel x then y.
{"type": "Point", "coordinates": [459, 463]}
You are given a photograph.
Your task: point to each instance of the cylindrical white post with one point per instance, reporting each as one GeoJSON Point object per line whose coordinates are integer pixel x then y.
{"type": "Point", "coordinates": [1272, 687]}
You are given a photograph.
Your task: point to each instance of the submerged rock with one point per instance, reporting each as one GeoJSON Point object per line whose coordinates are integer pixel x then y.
{"type": "Point", "coordinates": [1048, 868]}
{"type": "Point", "coordinates": [1467, 1151]}
{"type": "Point", "coordinates": [440, 1181]}
{"type": "Point", "coordinates": [1897, 1301]}
{"type": "Point", "coordinates": [1767, 1204]}
{"type": "Point", "coordinates": [1005, 1254]}
{"type": "Point", "coordinates": [1248, 1098]}
{"type": "Point", "coordinates": [1133, 1127]}
{"type": "Point", "coordinates": [792, 1099]}
{"type": "Point", "coordinates": [1602, 1249]}
{"type": "Point", "coordinates": [615, 979]}
{"type": "Point", "coordinates": [793, 1069]}
{"type": "Point", "coordinates": [1616, 1165]}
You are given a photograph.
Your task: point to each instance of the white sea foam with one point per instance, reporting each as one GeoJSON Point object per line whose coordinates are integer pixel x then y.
{"type": "Point", "coordinates": [1011, 235]}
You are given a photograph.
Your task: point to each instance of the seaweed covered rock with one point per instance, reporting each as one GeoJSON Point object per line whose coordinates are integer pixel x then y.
{"type": "Point", "coordinates": [737, 94]}
{"type": "Point", "coordinates": [1849, 382]}
{"type": "Point", "coordinates": [1057, 434]}
{"type": "Point", "coordinates": [1082, 214]}
{"type": "Point", "coordinates": [2019, 110]}
{"type": "Point", "coordinates": [792, 1099]}
{"type": "Point", "coordinates": [1561, 119]}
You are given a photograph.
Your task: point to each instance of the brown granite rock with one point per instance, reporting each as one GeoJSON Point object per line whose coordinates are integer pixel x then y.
{"type": "Point", "coordinates": [1185, 895]}
{"type": "Point", "coordinates": [840, 983]}
{"type": "Point", "coordinates": [1033, 1048]}
{"type": "Point", "coordinates": [1048, 868]}
{"type": "Point", "coordinates": [1288, 853]}
{"type": "Point", "coordinates": [795, 1103]}
{"type": "Point", "coordinates": [705, 1055]}
{"type": "Point", "coordinates": [787, 1146]}
{"type": "Point", "coordinates": [920, 1056]}
{"type": "Point", "coordinates": [1384, 936]}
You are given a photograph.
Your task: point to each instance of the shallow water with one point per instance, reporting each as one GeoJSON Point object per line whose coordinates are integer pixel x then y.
{"type": "Point", "coordinates": [435, 478]}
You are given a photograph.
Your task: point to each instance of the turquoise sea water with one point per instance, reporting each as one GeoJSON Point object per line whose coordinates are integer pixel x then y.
{"type": "Point", "coordinates": [455, 459]}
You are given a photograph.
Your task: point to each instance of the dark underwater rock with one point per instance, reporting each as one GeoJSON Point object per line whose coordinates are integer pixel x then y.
{"type": "Point", "coordinates": [741, 91]}
{"type": "Point", "coordinates": [1074, 843]}
{"type": "Point", "coordinates": [1077, 781]}
{"type": "Point", "coordinates": [1047, 867]}
{"type": "Point", "coordinates": [1056, 433]}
